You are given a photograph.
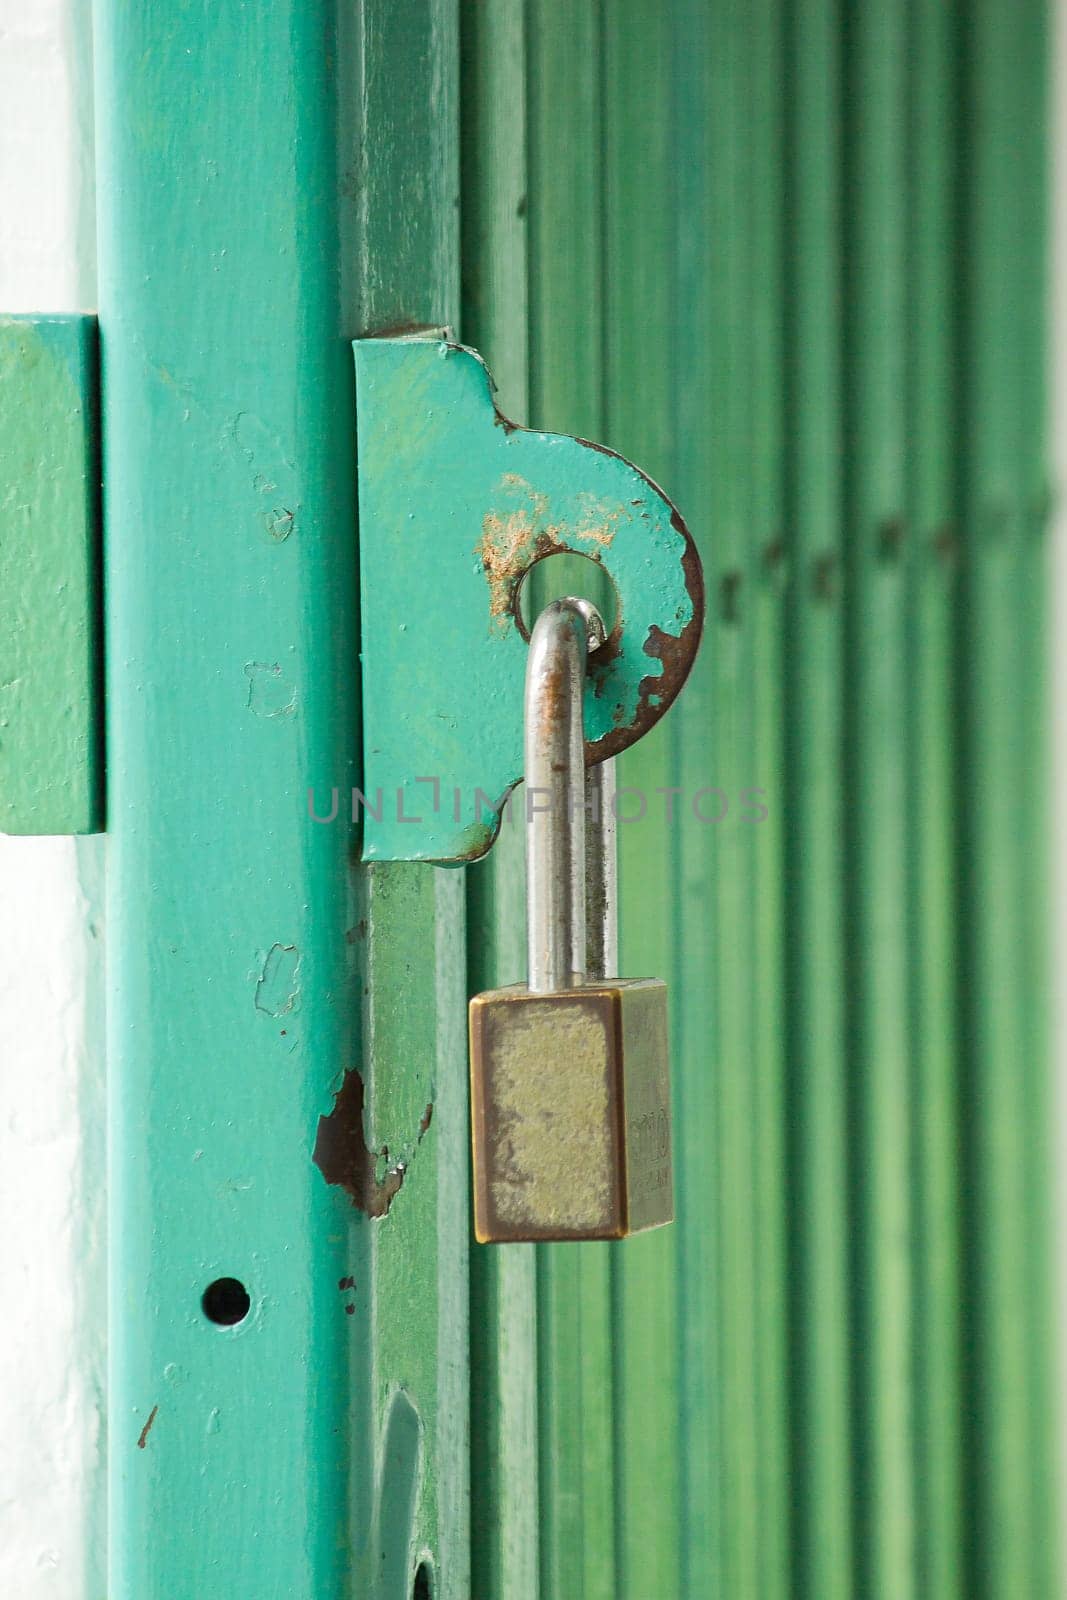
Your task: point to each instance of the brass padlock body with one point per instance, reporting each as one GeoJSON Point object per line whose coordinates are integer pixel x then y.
{"type": "Point", "coordinates": [571, 1106]}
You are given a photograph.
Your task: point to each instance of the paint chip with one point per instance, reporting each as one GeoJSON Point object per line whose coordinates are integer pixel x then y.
{"type": "Point", "coordinates": [278, 986]}
{"type": "Point", "coordinates": [369, 1177]}
{"type": "Point", "coordinates": [270, 694]}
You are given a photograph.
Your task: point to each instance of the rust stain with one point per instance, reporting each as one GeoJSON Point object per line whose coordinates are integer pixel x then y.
{"type": "Point", "coordinates": [774, 561]}
{"type": "Point", "coordinates": [552, 702]}
{"type": "Point", "coordinates": [946, 544]}
{"type": "Point", "coordinates": [890, 538]}
{"type": "Point", "coordinates": [729, 596]}
{"type": "Point", "coordinates": [676, 652]}
{"type": "Point", "coordinates": [410, 330]}
{"type": "Point", "coordinates": [824, 576]}
{"type": "Point", "coordinates": [509, 546]}
{"type": "Point", "coordinates": [597, 521]}
{"type": "Point", "coordinates": [143, 1440]}
{"type": "Point", "coordinates": [516, 538]}
{"type": "Point", "coordinates": [475, 840]}
{"type": "Point", "coordinates": [342, 1156]}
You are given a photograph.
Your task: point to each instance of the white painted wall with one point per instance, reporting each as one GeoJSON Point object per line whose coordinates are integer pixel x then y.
{"type": "Point", "coordinates": [52, 1264]}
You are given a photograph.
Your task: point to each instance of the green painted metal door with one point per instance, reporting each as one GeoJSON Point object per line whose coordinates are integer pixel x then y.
{"type": "Point", "coordinates": [787, 255]}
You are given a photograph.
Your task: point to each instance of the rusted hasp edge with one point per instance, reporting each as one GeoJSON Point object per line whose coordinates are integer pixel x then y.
{"type": "Point", "coordinates": [456, 504]}
{"type": "Point", "coordinates": [51, 646]}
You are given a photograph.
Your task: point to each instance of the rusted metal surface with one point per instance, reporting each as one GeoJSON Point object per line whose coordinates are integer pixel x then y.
{"type": "Point", "coordinates": [371, 1178]}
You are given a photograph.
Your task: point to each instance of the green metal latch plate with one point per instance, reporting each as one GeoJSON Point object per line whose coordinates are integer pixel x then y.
{"type": "Point", "coordinates": [456, 504]}
{"type": "Point", "coordinates": [51, 738]}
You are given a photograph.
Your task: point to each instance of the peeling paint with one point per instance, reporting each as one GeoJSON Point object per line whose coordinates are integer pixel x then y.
{"type": "Point", "coordinates": [270, 693]}
{"type": "Point", "coordinates": [272, 474]}
{"type": "Point", "coordinates": [278, 985]}
{"type": "Point", "coordinates": [370, 1178]}
{"type": "Point", "coordinates": [278, 522]}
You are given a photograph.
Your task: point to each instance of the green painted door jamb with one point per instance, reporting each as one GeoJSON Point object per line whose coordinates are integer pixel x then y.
{"type": "Point", "coordinates": [51, 735]}
{"type": "Point", "coordinates": [272, 181]}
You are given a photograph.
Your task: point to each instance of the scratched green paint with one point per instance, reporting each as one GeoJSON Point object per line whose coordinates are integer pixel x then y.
{"type": "Point", "coordinates": [445, 748]}
{"type": "Point", "coordinates": [51, 733]}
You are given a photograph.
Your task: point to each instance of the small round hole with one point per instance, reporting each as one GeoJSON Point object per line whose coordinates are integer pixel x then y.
{"type": "Point", "coordinates": [226, 1302]}
{"type": "Point", "coordinates": [421, 1589]}
{"type": "Point", "coordinates": [566, 572]}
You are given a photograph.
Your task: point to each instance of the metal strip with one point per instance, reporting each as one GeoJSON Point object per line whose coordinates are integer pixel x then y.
{"type": "Point", "coordinates": [874, 262]}
{"type": "Point", "coordinates": [933, 931]}
{"type": "Point", "coordinates": [822, 1467]}
{"type": "Point", "coordinates": [51, 652]}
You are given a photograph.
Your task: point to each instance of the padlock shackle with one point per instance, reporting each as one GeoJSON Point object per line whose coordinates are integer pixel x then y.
{"type": "Point", "coordinates": [555, 794]}
{"type": "Point", "coordinates": [601, 873]}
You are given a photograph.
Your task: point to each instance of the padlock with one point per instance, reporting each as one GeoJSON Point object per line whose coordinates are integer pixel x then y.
{"type": "Point", "coordinates": [570, 1092]}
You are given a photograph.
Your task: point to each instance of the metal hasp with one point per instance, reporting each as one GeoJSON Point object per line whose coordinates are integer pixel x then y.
{"type": "Point", "coordinates": [51, 734]}
{"type": "Point", "coordinates": [456, 504]}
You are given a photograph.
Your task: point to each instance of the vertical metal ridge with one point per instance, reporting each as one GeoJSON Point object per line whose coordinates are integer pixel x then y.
{"type": "Point", "coordinates": [637, 243]}
{"type": "Point", "coordinates": [698, 387]}
{"type": "Point", "coordinates": [729, 742]}
{"type": "Point", "coordinates": [932, 576]}
{"type": "Point", "coordinates": [1002, 1436]}
{"type": "Point", "coordinates": [873, 109]}
{"type": "Point", "coordinates": [1035, 86]}
{"type": "Point", "coordinates": [819, 1320]}
{"type": "Point", "coordinates": [767, 577]}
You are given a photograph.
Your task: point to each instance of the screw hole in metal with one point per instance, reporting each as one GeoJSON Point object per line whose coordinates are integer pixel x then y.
{"type": "Point", "coordinates": [226, 1302]}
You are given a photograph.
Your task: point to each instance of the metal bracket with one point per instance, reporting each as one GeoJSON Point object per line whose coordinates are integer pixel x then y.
{"type": "Point", "coordinates": [456, 504]}
{"type": "Point", "coordinates": [51, 653]}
